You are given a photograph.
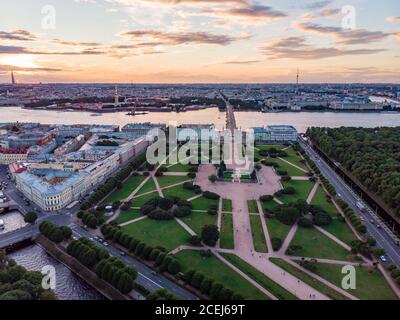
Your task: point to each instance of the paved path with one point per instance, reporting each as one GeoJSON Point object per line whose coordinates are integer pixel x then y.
{"type": "Point", "coordinates": [132, 221]}
{"type": "Point", "coordinates": [241, 273]}
{"type": "Point", "coordinates": [264, 226]}
{"type": "Point", "coordinates": [312, 193]}
{"type": "Point", "coordinates": [219, 219]}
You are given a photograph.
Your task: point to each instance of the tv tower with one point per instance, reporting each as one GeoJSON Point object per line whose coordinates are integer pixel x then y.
{"type": "Point", "coordinates": [12, 77]}
{"type": "Point", "coordinates": [297, 81]}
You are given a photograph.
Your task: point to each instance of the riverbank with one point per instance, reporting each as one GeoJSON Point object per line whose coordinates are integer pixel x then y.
{"type": "Point", "coordinates": [80, 270]}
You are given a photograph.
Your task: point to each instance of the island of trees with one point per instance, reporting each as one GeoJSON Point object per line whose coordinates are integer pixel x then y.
{"type": "Point", "coordinates": [372, 155]}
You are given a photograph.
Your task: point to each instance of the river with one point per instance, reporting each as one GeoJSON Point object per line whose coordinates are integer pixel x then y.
{"type": "Point", "coordinates": [68, 285]}
{"type": "Point", "coordinates": [300, 120]}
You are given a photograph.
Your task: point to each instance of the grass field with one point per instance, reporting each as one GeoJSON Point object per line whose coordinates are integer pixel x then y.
{"type": "Point", "coordinates": [276, 229]}
{"type": "Point", "coordinates": [147, 187]}
{"type": "Point", "coordinates": [294, 158]}
{"type": "Point", "coordinates": [269, 205]}
{"type": "Point", "coordinates": [303, 189]}
{"type": "Point", "coordinates": [316, 245]}
{"type": "Point", "coordinates": [227, 241]}
{"type": "Point", "coordinates": [333, 294]}
{"type": "Point", "coordinates": [129, 215]}
{"type": "Point", "coordinates": [291, 170]}
{"type": "Point", "coordinates": [259, 277]}
{"type": "Point", "coordinates": [339, 229]}
{"type": "Point", "coordinates": [197, 220]}
{"type": "Point", "coordinates": [370, 284]}
{"type": "Point", "coordinates": [178, 191]}
{"type": "Point", "coordinates": [215, 269]}
{"type": "Point", "coordinates": [252, 206]}
{"type": "Point", "coordinates": [227, 205]}
{"type": "Point", "coordinates": [128, 187]}
{"type": "Point", "coordinates": [203, 203]}
{"type": "Point", "coordinates": [168, 234]}
{"type": "Point", "coordinates": [258, 234]}
{"type": "Point", "coordinates": [166, 181]}
{"type": "Point", "coordinates": [179, 167]}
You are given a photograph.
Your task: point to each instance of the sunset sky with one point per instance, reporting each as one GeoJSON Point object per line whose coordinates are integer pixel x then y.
{"type": "Point", "coordinates": [199, 41]}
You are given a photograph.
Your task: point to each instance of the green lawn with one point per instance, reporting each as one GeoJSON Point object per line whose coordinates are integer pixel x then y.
{"type": "Point", "coordinates": [215, 269]}
{"type": "Point", "coordinates": [178, 191]}
{"type": "Point", "coordinates": [227, 241]}
{"type": "Point", "coordinates": [370, 284]}
{"type": "Point", "coordinates": [227, 205]}
{"type": "Point", "coordinates": [252, 206]}
{"type": "Point", "coordinates": [291, 170]}
{"type": "Point", "coordinates": [197, 220]}
{"type": "Point", "coordinates": [128, 187]}
{"type": "Point", "coordinates": [303, 189]}
{"type": "Point", "coordinates": [321, 287]}
{"type": "Point", "coordinates": [147, 187]}
{"type": "Point", "coordinates": [269, 205]}
{"type": "Point", "coordinates": [129, 215]}
{"type": "Point", "coordinates": [258, 234]}
{"type": "Point", "coordinates": [140, 201]}
{"type": "Point", "coordinates": [271, 286]}
{"type": "Point", "coordinates": [276, 229]}
{"type": "Point", "coordinates": [168, 234]}
{"type": "Point", "coordinates": [203, 203]}
{"type": "Point", "coordinates": [166, 181]}
{"type": "Point", "coordinates": [179, 167]}
{"type": "Point", "coordinates": [316, 245]}
{"type": "Point", "coordinates": [294, 158]}
{"type": "Point", "coordinates": [339, 229]}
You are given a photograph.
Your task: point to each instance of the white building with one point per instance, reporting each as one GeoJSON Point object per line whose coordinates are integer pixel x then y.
{"type": "Point", "coordinates": [275, 133]}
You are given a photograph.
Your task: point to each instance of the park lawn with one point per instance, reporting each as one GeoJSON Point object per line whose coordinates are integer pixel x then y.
{"type": "Point", "coordinates": [197, 220]}
{"type": "Point", "coordinates": [203, 203]}
{"type": "Point", "coordinates": [252, 206]}
{"type": "Point", "coordinates": [166, 181]}
{"type": "Point", "coordinates": [277, 229]}
{"type": "Point", "coordinates": [168, 234]}
{"type": "Point", "coordinates": [140, 201]}
{"type": "Point", "coordinates": [226, 241]}
{"type": "Point", "coordinates": [215, 269]}
{"type": "Point", "coordinates": [321, 287]}
{"type": "Point", "coordinates": [227, 205]}
{"type": "Point", "coordinates": [314, 244]}
{"type": "Point", "coordinates": [128, 187]}
{"type": "Point", "coordinates": [369, 286]}
{"type": "Point", "coordinates": [178, 191]}
{"type": "Point", "coordinates": [302, 188]}
{"type": "Point", "coordinates": [291, 170]}
{"type": "Point", "coordinates": [339, 229]}
{"type": "Point", "coordinates": [179, 167]}
{"type": "Point", "coordinates": [129, 215]}
{"type": "Point", "coordinates": [147, 187]}
{"type": "Point", "coordinates": [258, 234]}
{"type": "Point", "coordinates": [269, 205]}
{"type": "Point", "coordinates": [294, 158]}
{"type": "Point", "coordinates": [269, 146]}
{"type": "Point", "coordinates": [271, 286]}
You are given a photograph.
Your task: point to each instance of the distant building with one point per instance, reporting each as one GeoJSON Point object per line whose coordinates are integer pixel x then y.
{"type": "Point", "coordinates": [70, 146]}
{"type": "Point", "coordinates": [141, 129]}
{"type": "Point", "coordinates": [202, 132]}
{"type": "Point", "coordinates": [356, 106]}
{"type": "Point", "coordinates": [8, 156]}
{"type": "Point", "coordinates": [275, 133]}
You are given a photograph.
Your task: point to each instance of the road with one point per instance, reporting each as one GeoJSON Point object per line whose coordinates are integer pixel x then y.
{"type": "Point", "coordinates": [383, 235]}
{"type": "Point", "coordinates": [146, 277]}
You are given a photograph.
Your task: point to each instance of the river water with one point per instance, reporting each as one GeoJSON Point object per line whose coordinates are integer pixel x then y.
{"type": "Point", "coordinates": [300, 120]}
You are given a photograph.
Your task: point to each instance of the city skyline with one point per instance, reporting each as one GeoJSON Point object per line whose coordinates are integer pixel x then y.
{"type": "Point", "coordinates": [199, 41]}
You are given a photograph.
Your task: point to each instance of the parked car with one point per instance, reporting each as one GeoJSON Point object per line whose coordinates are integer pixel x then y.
{"type": "Point", "coordinates": [383, 258]}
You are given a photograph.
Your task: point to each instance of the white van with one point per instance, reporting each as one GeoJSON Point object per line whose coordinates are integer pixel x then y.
{"type": "Point", "coordinates": [2, 226]}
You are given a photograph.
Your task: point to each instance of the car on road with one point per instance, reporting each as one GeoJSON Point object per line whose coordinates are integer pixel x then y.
{"type": "Point", "coordinates": [378, 226]}
{"type": "Point", "coordinates": [372, 221]}
{"type": "Point", "coordinates": [74, 238]}
{"type": "Point", "coordinates": [105, 243]}
{"type": "Point", "coordinates": [122, 253]}
{"type": "Point", "coordinates": [383, 258]}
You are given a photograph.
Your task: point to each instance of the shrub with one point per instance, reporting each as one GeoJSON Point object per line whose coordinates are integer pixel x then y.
{"type": "Point", "coordinates": [211, 195]}
{"type": "Point", "coordinates": [322, 219]}
{"type": "Point", "coordinates": [210, 235]}
{"type": "Point", "coordinates": [195, 240]}
{"type": "Point", "coordinates": [305, 223]}
{"type": "Point", "coordinates": [30, 217]}
{"type": "Point", "coordinates": [197, 279]}
{"type": "Point", "coordinates": [266, 198]}
{"type": "Point", "coordinates": [276, 243]}
{"type": "Point", "coordinates": [213, 178]}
